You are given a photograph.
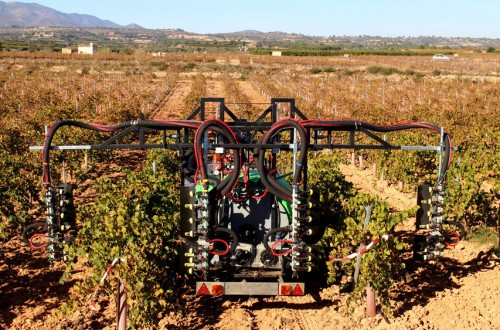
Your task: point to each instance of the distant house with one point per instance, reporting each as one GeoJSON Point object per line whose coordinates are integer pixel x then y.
{"type": "Point", "coordinates": [87, 49]}
{"type": "Point", "coordinates": [68, 50]}
{"type": "Point", "coordinates": [276, 53]}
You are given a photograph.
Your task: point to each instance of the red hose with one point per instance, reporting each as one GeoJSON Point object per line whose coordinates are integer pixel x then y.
{"type": "Point", "coordinates": [457, 236]}
{"type": "Point", "coordinates": [37, 247]}
{"type": "Point", "coordinates": [260, 196]}
{"type": "Point", "coordinates": [220, 241]}
{"type": "Point", "coordinates": [281, 241]}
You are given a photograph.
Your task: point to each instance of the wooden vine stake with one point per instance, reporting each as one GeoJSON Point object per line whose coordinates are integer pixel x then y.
{"type": "Point", "coordinates": [121, 302]}
{"type": "Point", "coordinates": [497, 244]}
{"type": "Point", "coordinates": [86, 161]}
{"type": "Point", "coordinates": [121, 306]}
{"type": "Point", "coordinates": [371, 307]}
{"type": "Point", "coordinates": [361, 164]}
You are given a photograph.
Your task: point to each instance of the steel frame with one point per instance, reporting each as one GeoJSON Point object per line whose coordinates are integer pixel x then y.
{"type": "Point", "coordinates": [242, 126]}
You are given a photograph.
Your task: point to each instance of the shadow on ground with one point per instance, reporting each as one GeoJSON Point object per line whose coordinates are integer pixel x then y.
{"type": "Point", "coordinates": [425, 280]}
{"type": "Point", "coordinates": [27, 281]}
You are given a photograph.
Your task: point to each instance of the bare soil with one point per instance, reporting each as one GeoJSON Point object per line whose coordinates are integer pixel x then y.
{"type": "Point", "coordinates": [170, 107]}
{"type": "Point", "coordinates": [462, 293]}
{"type": "Point", "coordinates": [251, 93]}
{"type": "Point", "coordinates": [215, 88]}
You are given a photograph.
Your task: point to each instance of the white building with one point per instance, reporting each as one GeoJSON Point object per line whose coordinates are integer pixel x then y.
{"type": "Point", "coordinates": [87, 49]}
{"type": "Point", "coordinates": [68, 50]}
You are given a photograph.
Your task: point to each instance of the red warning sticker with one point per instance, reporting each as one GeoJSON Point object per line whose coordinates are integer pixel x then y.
{"type": "Point", "coordinates": [297, 291]}
{"type": "Point", "coordinates": [203, 289]}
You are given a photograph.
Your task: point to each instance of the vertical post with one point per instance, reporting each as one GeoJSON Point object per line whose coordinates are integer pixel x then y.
{"type": "Point", "coordinates": [497, 244]}
{"type": "Point", "coordinates": [441, 142]}
{"type": "Point", "coordinates": [368, 214]}
{"type": "Point", "coordinates": [351, 138]}
{"type": "Point", "coordinates": [295, 150]}
{"type": "Point", "coordinates": [274, 117]}
{"type": "Point", "coordinates": [121, 306]}
{"type": "Point", "coordinates": [202, 109]}
{"type": "Point", "coordinates": [371, 307]}
{"type": "Point", "coordinates": [86, 160]}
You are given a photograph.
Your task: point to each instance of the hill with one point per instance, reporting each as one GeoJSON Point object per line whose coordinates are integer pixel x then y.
{"type": "Point", "coordinates": [31, 14]}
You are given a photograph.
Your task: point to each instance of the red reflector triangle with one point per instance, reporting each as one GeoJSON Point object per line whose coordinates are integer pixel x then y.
{"type": "Point", "coordinates": [297, 291]}
{"type": "Point", "coordinates": [203, 289]}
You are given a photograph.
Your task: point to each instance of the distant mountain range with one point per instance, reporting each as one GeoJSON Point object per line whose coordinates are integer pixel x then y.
{"type": "Point", "coordinates": [32, 14]}
{"type": "Point", "coordinates": [18, 16]}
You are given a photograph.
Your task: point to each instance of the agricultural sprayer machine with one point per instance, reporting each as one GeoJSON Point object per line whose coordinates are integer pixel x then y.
{"type": "Point", "coordinates": [247, 227]}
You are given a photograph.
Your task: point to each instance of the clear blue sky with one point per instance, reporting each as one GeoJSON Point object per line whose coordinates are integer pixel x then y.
{"type": "Point", "coordinates": [387, 18]}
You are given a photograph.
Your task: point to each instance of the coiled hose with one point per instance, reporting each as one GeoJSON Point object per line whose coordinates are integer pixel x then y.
{"type": "Point", "coordinates": [227, 184]}
{"type": "Point", "coordinates": [267, 177]}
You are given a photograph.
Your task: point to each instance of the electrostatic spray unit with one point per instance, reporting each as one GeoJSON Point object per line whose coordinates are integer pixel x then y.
{"type": "Point", "coordinates": [248, 227]}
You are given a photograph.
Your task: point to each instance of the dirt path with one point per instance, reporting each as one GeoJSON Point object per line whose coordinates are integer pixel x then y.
{"type": "Point", "coordinates": [251, 93]}
{"type": "Point", "coordinates": [171, 105]}
{"type": "Point", "coordinates": [365, 181]}
{"type": "Point", "coordinates": [300, 313]}
{"type": "Point", "coordinates": [215, 88]}
{"type": "Point", "coordinates": [462, 294]}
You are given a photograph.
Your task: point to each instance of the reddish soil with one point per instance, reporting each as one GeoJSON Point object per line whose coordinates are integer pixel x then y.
{"type": "Point", "coordinates": [251, 93]}
{"type": "Point", "coordinates": [366, 181]}
{"type": "Point", "coordinates": [215, 88]}
{"type": "Point", "coordinates": [171, 106]}
{"type": "Point", "coordinates": [460, 294]}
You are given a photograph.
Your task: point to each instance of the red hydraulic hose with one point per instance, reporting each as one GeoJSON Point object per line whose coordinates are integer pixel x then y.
{"type": "Point", "coordinates": [37, 247]}
{"type": "Point", "coordinates": [218, 240]}
{"type": "Point", "coordinates": [457, 236]}
{"type": "Point", "coordinates": [281, 241]}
